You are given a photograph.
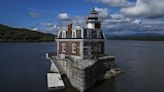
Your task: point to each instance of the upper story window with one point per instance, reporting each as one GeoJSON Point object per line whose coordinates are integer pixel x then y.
{"type": "Point", "coordinates": [85, 34]}
{"type": "Point", "coordinates": [99, 47]}
{"type": "Point", "coordinates": [73, 34]}
{"type": "Point", "coordinates": [64, 47]}
{"type": "Point", "coordinates": [63, 34]}
{"type": "Point", "coordinates": [89, 35]}
{"type": "Point", "coordinates": [74, 46]}
{"type": "Point", "coordinates": [78, 34]}
{"type": "Point", "coordinates": [98, 34]}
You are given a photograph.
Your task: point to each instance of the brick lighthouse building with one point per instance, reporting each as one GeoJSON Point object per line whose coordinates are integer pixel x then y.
{"type": "Point", "coordinates": [80, 54]}
{"type": "Point", "coordinates": [82, 43]}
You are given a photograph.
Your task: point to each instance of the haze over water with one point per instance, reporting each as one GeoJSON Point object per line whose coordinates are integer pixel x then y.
{"type": "Point", "coordinates": [24, 67]}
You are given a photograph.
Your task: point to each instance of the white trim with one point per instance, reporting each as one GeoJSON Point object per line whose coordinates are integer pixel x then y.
{"type": "Point", "coordinates": [74, 34]}
{"type": "Point", "coordinates": [59, 34]}
{"type": "Point", "coordinates": [63, 34]}
{"type": "Point", "coordinates": [82, 33]}
{"type": "Point", "coordinates": [85, 40]}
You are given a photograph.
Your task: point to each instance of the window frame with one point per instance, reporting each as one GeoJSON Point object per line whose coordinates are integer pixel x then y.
{"type": "Point", "coordinates": [74, 48]}
{"type": "Point", "coordinates": [63, 34]}
{"type": "Point", "coordinates": [73, 34]}
{"type": "Point", "coordinates": [63, 47]}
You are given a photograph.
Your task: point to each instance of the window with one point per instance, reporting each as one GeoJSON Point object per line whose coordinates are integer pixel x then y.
{"type": "Point", "coordinates": [74, 48]}
{"type": "Point", "coordinates": [63, 34]}
{"type": "Point", "coordinates": [85, 33]}
{"type": "Point", "coordinates": [78, 33]}
{"type": "Point", "coordinates": [89, 34]}
{"type": "Point", "coordinates": [98, 34]}
{"type": "Point", "coordinates": [99, 47]}
{"type": "Point", "coordinates": [74, 34]}
{"type": "Point", "coordinates": [63, 47]}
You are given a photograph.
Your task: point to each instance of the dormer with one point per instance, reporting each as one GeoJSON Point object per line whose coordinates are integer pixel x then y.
{"type": "Point", "coordinates": [71, 32]}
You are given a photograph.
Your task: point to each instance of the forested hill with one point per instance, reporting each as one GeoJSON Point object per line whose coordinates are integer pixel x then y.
{"type": "Point", "coordinates": [142, 37]}
{"type": "Point", "coordinates": [9, 34]}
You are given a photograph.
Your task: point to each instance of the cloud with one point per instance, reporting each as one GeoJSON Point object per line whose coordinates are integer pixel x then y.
{"type": "Point", "coordinates": [35, 29]}
{"type": "Point", "coordinates": [115, 3]}
{"type": "Point", "coordinates": [103, 12]}
{"type": "Point", "coordinates": [63, 16]}
{"type": "Point", "coordinates": [66, 19]}
{"type": "Point", "coordinates": [34, 9]}
{"type": "Point", "coordinates": [46, 24]}
{"type": "Point", "coordinates": [117, 16]}
{"type": "Point", "coordinates": [78, 20]}
{"type": "Point", "coordinates": [133, 26]}
{"type": "Point", "coordinates": [49, 27]}
{"type": "Point", "coordinates": [115, 19]}
{"type": "Point", "coordinates": [118, 23]}
{"type": "Point", "coordinates": [146, 8]}
{"type": "Point", "coordinates": [137, 21]}
{"type": "Point", "coordinates": [35, 14]}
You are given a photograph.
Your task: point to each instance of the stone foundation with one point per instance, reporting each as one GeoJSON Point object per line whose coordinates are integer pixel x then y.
{"type": "Point", "coordinates": [84, 74]}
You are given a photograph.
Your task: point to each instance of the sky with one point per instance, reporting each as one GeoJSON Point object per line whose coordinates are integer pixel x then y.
{"type": "Point", "coordinates": [119, 17]}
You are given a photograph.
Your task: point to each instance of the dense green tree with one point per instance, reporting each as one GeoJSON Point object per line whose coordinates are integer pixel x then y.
{"type": "Point", "coordinates": [15, 34]}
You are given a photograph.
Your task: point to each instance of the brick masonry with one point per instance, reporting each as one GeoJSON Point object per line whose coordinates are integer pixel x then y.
{"type": "Point", "coordinates": [68, 50]}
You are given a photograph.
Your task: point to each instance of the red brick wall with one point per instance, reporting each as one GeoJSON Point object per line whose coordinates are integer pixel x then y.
{"type": "Point", "coordinates": [69, 48]}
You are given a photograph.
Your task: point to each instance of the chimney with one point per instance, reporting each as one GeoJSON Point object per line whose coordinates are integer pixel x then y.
{"type": "Point", "coordinates": [69, 30]}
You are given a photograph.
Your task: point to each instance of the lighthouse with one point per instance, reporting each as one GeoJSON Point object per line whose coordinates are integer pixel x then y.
{"type": "Point", "coordinates": [82, 43]}
{"type": "Point", "coordinates": [80, 53]}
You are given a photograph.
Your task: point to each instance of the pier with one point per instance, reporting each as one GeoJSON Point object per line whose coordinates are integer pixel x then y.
{"type": "Point", "coordinates": [54, 79]}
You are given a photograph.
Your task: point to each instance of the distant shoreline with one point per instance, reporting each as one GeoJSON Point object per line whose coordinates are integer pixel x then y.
{"type": "Point", "coordinates": [139, 38]}
{"type": "Point", "coordinates": [9, 34]}
{"type": "Point", "coordinates": [11, 41]}
{"type": "Point", "coordinates": [135, 40]}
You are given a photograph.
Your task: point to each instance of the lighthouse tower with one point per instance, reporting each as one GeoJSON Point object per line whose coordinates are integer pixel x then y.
{"type": "Point", "coordinates": [81, 43]}
{"type": "Point", "coordinates": [92, 20]}
{"type": "Point", "coordinates": [94, 39]}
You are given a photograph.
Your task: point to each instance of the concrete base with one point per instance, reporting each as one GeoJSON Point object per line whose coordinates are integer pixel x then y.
{"type": "Point", "coordinates": [55, 81]}
{"type": "Point", "coordinates": [84, 74]}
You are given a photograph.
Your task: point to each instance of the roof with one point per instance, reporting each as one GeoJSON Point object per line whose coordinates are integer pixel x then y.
{"type": "Point", "coordinates": [94, 11]}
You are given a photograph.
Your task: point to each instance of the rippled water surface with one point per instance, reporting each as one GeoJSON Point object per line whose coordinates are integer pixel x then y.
{"type": "Point", "coordinates": [23, 67]}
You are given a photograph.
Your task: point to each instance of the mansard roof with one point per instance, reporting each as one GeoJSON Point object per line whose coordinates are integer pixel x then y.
{"type": "Point", "coordinates": [80, 33]}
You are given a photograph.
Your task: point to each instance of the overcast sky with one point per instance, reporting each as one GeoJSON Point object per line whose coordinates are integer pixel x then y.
{"type": "Point", "coordinates": [119, 16]}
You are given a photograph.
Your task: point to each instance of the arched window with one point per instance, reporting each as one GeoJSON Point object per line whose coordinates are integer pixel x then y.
{"type": "Point", "coordinates": [74, 46]}
{"type": "Point", "coordinates": [73, 34]}
{"type": "Point", "coordinates": [63, 34]}
{"type": "Point", "coordinates": [64, 47]}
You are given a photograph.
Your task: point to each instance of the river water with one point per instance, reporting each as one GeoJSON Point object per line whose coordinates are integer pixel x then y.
{"type": "Point", "coordinates": [23, 67]}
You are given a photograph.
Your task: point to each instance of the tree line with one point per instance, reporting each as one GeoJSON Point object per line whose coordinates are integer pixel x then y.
{"type": "Point", "coordinates": [9, 34]}
{"type": "Point", "coordinates": [143, 38]}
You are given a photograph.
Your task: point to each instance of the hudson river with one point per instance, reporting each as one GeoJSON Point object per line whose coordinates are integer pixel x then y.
{"type": "Point", "coordinates": [23, 67]}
